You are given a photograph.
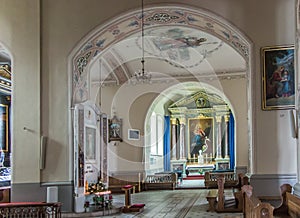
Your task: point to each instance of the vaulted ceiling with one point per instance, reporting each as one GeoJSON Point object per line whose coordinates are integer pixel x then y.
{"type": "Point", "coordinates": [171, 52]}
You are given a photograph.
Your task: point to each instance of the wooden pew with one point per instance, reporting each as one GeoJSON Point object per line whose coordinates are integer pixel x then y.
{"type": "Point", "coordinates": [226, 205]}
{"type": "Point", "coordinates": [253, 207]}
{"type": "Point", "coordinates": [293, 205]}
{"type": "Point", "coordinates": [212, 199]}
{"type": "Point", "coordinates": [282, 209]}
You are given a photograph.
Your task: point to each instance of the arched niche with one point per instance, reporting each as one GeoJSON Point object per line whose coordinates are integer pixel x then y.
{"type": "Point", "coordinates": [187, 108]}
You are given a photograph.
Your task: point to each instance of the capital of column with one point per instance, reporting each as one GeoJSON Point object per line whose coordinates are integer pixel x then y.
{"type": "Point", "coordinates": [173, 121]}
{"type": "Point", "coordinates": [182, 120]}
{"type": "Point", "coordinates": [219, 119]}
{"type": "Point", "coordinates": [226, 118]}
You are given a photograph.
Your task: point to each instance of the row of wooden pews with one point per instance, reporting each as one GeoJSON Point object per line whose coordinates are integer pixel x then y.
{"type": "Point", "coordinates": [246, 202]}
{"type": "Point", "coordinates": [254, 208]}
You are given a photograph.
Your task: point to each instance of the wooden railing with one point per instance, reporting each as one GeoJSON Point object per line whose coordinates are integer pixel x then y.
{"type": "Point", "coordinates": [161, 181]}
{"type": "Point", "coordinates": [30, 210]}
{"type": "Point", "coordinates": [231, 179]}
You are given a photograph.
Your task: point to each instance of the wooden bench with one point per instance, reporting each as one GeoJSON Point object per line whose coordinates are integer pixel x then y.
{"type": "Point", "coordinates": [161, 181]}
{"type": "Point", "coordinates": [282, 209]}
{"type": "Point", "coordinates": [293, 205]}
{"type": "Point", "coordinates": [233, 204]}
{"type": "Point", "coordinates": [212, 199]}
{"type": "Point", "coordinates": [30, 209]}
{"type": "Point", "coordinates": [253, 207]}
{"type": "Point", "coordinates": [117, 181]}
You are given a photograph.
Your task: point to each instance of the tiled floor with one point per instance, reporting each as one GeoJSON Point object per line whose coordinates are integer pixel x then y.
{"type": "Point", "coordinates": [187, 201]}
{"type": "Point", "coordinates": [181, 203]}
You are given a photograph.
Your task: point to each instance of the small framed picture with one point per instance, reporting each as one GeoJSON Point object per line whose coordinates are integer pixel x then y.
{"type": "Point", "coordinates": [133, 134]}
{"type": "Point", "coordinates": [278, 77]}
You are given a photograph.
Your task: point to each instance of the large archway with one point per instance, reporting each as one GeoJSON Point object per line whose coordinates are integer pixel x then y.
{"type": "Point", "coordinates": [103, 62]}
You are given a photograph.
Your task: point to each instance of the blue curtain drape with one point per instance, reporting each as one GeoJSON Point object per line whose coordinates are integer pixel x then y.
{"type": "Point", "coordinates": [231, 141]}
{"type": "Point", "coordinates": [167, 145]}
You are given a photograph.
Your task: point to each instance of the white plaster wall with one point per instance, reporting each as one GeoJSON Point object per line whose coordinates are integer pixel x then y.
{"type": "Point", "coordinates": [20, 32]}
{"type": "Point", "coordinates": [65, 23]}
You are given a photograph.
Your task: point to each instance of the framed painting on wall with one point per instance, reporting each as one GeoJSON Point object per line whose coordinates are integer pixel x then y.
{"type": "Point", "coordinates": [278, 77]}
{"type": "Point", "coordinates": [90, 143]}
{"type": "Point", "coordinates": [201, 136]}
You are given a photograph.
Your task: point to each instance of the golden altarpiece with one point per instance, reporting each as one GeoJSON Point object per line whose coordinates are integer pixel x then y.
{"type": "Point", "coordinates": [199, 133]}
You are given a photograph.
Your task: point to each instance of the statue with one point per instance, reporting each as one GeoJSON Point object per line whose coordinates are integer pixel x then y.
{"type": "Point", "coordinates": [200, 157]}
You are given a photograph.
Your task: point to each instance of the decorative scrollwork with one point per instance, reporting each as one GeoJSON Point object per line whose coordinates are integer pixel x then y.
{"type": "Point", "coordinates": [162, 18]}
{"type": "Point", "coordinates": [264, 212]}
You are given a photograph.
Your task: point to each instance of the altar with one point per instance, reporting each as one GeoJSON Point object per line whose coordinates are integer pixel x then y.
{"type": "Point", "coordinates": [196, 169]}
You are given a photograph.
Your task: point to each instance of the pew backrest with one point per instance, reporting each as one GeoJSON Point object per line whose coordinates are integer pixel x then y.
{"type": "Point", "coordinates": [253, 207]}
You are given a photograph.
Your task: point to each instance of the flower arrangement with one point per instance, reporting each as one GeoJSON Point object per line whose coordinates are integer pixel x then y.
{"type": "Point", "coordinates": [102, 196]}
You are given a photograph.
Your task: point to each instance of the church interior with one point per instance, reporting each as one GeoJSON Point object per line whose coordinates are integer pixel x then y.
{"type": "Point", "coordinates": [107, 103]}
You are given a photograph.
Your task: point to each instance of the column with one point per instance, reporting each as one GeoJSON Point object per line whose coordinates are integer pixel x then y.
{"type": "Point", "coordinates": [226, 136]}
{"type": "Point", "coordinates": [173, 138]}
{"type": "Point", "coordinates": [219, 137]}
{"type": "Point", "coordinates": [182, 138]}
{"type": "Point", "coordinates": [297, 93]}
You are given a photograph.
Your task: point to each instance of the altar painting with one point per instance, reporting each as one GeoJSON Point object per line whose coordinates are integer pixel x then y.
{"type": "Point", "coordinates": [201, 136]}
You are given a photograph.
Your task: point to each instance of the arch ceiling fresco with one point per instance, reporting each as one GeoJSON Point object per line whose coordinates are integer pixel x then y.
{"type": "Point", "coordinates": [179, 43]}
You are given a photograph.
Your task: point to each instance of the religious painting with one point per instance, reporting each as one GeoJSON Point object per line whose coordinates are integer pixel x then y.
{"type": "Point", "coordinates": [201, 137]}
{"type": "Point", "coordinates": [4, 127]}
{"type": "Point", "coordinates": [115, 129]}
{"type": "Point", "coordinates": [90, 143]}
{"type": "Point", "coordinates": [278, 77]}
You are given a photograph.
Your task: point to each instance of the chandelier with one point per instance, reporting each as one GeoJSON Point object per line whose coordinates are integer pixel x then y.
{"type": "Point", "coordinates": [142, 76]}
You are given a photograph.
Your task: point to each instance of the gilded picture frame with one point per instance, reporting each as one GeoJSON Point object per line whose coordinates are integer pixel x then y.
{"type": "Point", "coordinates": [115, 129]}
{"type": "Point", "coordinates": [278, 77]}
{"type": "Point", "coordinates": [201, 136]}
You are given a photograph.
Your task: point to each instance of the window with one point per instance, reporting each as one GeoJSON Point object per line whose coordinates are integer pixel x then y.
{"type": "Point", "coordinates": [157, 134]}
